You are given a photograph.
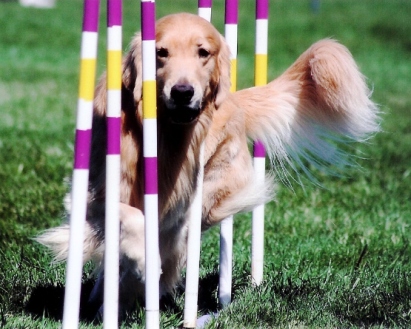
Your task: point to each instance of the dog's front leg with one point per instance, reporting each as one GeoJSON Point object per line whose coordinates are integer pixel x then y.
{"type": "Point", "coordinates": [132, 242]}
{"type": "Point", "coordinates": [132, 264]}
{"type": "Point", "coordinates": [132, 258]}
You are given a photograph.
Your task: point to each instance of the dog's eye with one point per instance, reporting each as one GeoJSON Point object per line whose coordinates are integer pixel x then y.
{"type": "Point", "coordinates": [203, 53]}
{"type": "Point", "coordinates": [162, 53]}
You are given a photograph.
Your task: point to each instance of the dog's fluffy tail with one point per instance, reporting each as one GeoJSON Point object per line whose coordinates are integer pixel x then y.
{"type": "Point", "coordinates": [319, 102]}
{"type": "Point", "coordinates": [57, 240]}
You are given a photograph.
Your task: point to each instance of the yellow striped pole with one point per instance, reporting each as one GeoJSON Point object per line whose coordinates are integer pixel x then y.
{"type": "Point", "coordinates": [81, 163]}
{"type": "Point", "coordinates": [112, 222]}
{"type": "Point", "coordinates": [150, 163]}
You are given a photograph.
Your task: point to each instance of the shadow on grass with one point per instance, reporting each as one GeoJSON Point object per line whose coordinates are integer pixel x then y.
{"type": "Point", "coordinates": [48, 300]}
{"type": "Point", "coordinates": [369, 304]}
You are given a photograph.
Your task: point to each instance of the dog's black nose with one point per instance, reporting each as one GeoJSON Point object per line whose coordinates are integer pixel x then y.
{"type": "Point", "coordinates": [182, 94]}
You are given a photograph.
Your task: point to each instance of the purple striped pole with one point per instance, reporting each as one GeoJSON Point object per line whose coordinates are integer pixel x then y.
{"type": "Point", "coordinates": [81, 163]}
{"type": "Point", "coordinates": [112, 230]}
{"type": "Point", "coordinates": [226, 228]}
{"type": "Point", "coordinates": [150, 163]}
{"type": "Point", "coordinates": [257, 257]}
{"type": "Point", "coordinates": [231, 35]}
{"type": "Point", "coordinates": [194, 228]}
{"type": "Point", "coordinates": [204, 9]}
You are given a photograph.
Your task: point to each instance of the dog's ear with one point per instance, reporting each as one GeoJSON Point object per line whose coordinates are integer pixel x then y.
{"type": "Point", "coordinates": [132, 68]}
{"type": "Point", "coordinates": [223, 71]}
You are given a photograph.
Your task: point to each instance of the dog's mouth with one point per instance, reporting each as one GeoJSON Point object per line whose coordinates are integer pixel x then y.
{"type": "Point", "coordinates": [183, 114]}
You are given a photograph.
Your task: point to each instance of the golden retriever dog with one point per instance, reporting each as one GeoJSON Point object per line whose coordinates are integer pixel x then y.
{"type": "Point", "coordinates": [317, 104]}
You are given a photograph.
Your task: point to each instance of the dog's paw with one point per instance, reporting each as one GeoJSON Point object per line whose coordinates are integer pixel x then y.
{"type": "Point", "coordinates": [132, 243]}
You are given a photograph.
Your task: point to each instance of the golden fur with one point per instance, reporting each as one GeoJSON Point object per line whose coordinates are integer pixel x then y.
{"type": "Point", "coordinates": [321, 96]}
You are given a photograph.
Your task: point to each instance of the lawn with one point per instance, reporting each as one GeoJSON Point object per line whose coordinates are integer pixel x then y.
{"type": "Point", "coordinates": [337, 250]}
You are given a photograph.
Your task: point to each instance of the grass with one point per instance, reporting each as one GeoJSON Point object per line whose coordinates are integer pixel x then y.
{"type": "Point", "coordinates": [337, 256]}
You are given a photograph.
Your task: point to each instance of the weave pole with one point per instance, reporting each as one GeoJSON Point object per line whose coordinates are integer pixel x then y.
{"type": "Point", "coordinates": [152, 253]}
{"type": "Point", "coordinates": [204, 9]}
{"type": "Point", "coordinates": [112, 223]}
{"type": "Point", "coordinates": [194, 227]}
{"type": "Point", "coordinates": [260, 79]}
{"type": "Point", "coordinates": [226, 226]}
{"type": "Point", "coordinates": [79, 190]}
{"type": "Point", "coordinates": [193, 251]}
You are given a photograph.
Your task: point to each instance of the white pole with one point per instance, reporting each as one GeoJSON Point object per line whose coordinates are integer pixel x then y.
{"type": "Point", "coordinates": [226, 261]}
{"type": "Point", "coordinates": [226, 226]}
{"type": "Point", "coordinates": [194, 228]}
{"type": "Point", "coordinates": [193, 251]}
{"type": "Point", "coordinates": [257, 257]}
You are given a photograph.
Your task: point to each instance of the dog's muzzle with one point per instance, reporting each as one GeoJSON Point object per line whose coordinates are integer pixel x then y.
{"type": "Point", "coordinates": [183, 109]}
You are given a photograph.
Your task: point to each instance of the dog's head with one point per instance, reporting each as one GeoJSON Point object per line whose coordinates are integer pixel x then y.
{"type": "Point", "coordinates": [192, 67]}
